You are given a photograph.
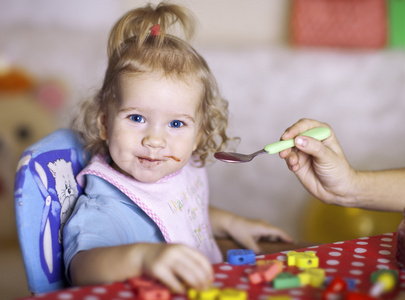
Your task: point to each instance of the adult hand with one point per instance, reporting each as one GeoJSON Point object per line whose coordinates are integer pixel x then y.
{"type": "Point", "coordinates": [321, 167]}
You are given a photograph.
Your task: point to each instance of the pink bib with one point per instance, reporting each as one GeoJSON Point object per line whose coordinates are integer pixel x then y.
{"type": "Point", "coordinates": [177, 203]}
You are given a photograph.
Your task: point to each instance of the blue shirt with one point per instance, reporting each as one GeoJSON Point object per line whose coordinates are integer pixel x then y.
{"type": "Point", "coordinates": [104, 216]}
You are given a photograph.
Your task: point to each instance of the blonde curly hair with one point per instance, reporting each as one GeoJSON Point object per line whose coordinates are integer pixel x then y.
{"type": "Point", "coordinates": [133, 49]}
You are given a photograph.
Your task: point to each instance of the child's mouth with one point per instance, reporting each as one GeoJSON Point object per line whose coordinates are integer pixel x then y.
{"type": "Point", "coordinates": [147, 160]}
{"type": "Point", "coordinates": [156, 161]}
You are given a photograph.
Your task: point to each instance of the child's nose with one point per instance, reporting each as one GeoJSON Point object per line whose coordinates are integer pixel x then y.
{"type": "Point", "coordinates": [154, 138]}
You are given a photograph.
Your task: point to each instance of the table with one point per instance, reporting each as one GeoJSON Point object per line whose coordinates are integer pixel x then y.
{"type": "Point", "coordinates": [355, 259]}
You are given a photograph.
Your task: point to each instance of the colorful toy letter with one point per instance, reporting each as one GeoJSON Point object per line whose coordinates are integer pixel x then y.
{"type": "Point", "coordinates": [241, 256]}
{"type": "Point", "coordinates": [302, 259]}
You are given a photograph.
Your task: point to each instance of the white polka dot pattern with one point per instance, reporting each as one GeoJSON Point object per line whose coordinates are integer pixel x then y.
{"type": "Point", "coordinates": [354, 259]}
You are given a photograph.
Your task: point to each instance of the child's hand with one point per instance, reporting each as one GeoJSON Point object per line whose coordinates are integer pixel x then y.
{"type": "Point", "coordinates": [177, 266]}
{"type": "Point", "coordinates": [244, 231]}
{"type": "Point", "coordinates": [248, 232]}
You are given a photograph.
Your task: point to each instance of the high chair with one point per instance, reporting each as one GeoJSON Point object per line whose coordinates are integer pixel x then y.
{"type": "Point", "coordinates": [45, 193]}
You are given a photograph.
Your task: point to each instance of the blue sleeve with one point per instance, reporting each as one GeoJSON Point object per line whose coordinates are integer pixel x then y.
{"type": "Point", "coordinates": [101, 222]}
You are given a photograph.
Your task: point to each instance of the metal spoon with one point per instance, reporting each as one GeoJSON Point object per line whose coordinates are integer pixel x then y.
{"type": "Point", "coordinates": [319, 133]}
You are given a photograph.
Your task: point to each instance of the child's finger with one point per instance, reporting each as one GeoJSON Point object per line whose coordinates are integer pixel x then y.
{"type": "Point", "coordinates": [251, 243]}
{"type": "Point", "coordinates": [169, 279]}
{"type": "Point", "coordinates": [272, 233]}
{"type": "Point", "coordinates": [282, 235]}
{"type": "Point", "coordinates": [192, 276]}
{"type": "Point", "coordinates": [200, 261]}
{"type": "Point", "coordinates": [193, 268]}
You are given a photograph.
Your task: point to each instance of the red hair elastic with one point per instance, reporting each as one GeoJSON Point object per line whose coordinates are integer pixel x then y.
{"type": "Point", "coordinates": [155, 30]}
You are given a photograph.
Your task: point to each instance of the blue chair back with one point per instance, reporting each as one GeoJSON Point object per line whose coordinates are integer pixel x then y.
{"type": "Point", "coordinates": [45, 194]}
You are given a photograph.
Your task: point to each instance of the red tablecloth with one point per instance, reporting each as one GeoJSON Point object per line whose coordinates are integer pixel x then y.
{"type": "Point", "coordinates": [355, 259]}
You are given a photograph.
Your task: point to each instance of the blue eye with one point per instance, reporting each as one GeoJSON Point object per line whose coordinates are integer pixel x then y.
{"type": "Point", "coordinates": [176, 124]}
{"type": "Point", "coordinates": [137, 118]}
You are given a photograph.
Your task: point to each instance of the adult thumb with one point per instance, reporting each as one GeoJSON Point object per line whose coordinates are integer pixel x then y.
{"type": "Point", "coordinates": [309, 145]}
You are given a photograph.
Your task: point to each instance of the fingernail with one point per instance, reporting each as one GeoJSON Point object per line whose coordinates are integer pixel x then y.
{"type": "Point", "coordinates": [301, 141]}
{"type": "Point", "coordinates": [284, 134]}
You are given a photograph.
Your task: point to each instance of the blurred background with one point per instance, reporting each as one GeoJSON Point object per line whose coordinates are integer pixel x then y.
{"type": "Point", "coordinates": [276, 61]}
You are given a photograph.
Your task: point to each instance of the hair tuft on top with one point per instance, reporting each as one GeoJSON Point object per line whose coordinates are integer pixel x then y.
{"type": "Point", "coordinates": [137, 24]}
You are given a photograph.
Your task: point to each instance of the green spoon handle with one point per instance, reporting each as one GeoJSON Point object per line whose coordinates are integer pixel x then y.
{"type": "Point", "coordinates": [319, 133]}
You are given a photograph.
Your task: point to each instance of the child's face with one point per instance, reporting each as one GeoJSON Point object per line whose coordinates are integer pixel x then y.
{"type": "Point", "coordinates": [154, 128]}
